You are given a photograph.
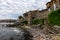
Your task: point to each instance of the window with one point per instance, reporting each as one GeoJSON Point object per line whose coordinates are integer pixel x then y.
{"type": "Point", "coordinates": [33, 17]}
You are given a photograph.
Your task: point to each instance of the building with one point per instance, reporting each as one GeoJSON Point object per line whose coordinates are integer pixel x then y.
{"type": "Point", "coordinates": [40, 14]}
{"type": "Point", "coordinates": [53, 5]}
{"type": "Point", "coordinates": [35, 14]}
{"type": "Point", "coordinates": [5, 23]}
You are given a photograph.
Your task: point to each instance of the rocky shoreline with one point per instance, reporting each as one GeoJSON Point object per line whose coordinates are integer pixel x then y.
{"type": "Point", "coordinates": [35, 33]}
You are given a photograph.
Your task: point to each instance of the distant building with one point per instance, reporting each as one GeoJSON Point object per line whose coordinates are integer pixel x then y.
{"type": "Point", "coordinates": [4, 23]}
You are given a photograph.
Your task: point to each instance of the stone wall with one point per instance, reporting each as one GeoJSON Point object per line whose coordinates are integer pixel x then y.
{"type": "Point", "coordinates": [40, 14]}
{"type": "Point", "coordinates": [35, 14]}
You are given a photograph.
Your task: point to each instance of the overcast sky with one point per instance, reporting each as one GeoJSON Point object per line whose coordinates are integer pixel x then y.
{"type": "Point", "coordinates": [11, 9]}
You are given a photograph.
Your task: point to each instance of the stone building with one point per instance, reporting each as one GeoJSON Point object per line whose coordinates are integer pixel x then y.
{"type": "Point", "coordinates": [40, 14]}
{"type": "Point", "coordinates": [53, 5]}
{"type": "Point", "coordinates": [57, 3]}
{"type": "Point", "coordinates": [50, 6]}
{"type": "Point", "coordinates": [35, 14]}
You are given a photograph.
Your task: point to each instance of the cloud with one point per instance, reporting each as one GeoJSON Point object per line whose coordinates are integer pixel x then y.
{"type": "Point", "coordinates": [13, 8]}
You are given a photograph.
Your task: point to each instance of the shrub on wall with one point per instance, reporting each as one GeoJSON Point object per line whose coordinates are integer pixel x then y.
{"type": "Point", "coordinates": [38, 21]}
{"type": "Point", "coordinates": [25, 22]}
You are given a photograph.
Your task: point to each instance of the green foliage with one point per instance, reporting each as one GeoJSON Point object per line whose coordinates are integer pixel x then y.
{"type": "Point", "coordinates": [38, 21]}
{"type": "Point", "coordinates": [54, 17]}
{"type": "Point", "coordinates": [25, 22]}
{"type": "Point", "coordinates": [20, 17]}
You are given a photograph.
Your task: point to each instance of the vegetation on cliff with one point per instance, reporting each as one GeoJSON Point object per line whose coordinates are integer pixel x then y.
{"type": "Point", "coordinates": [54, 17]}
{"type": "Point", "coordinates": [25, 22]}
{"type": "Point", "coordinates": [38, 21]}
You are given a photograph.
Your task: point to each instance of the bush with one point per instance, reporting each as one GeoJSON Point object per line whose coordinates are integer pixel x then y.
{"type": "Point", "coordinates": [25, 22]}
{"type": "Point", "coordinates": [38, 21]}
{"type": "Point", "coordinates": [54, 17]}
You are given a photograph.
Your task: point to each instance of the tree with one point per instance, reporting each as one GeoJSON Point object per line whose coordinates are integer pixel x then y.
{"type": "Point", "coordinates": [38, 21]}
{"type": "Point", "coordinates": [20, 17]}
{"type": "Point", "coordinates": [25, 22]}
{"type": "Point", "coordinates": [54, 17]}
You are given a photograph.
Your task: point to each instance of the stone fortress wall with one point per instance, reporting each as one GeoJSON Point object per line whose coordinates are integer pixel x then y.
{"type": "Point", "coordinates": [40, 14]}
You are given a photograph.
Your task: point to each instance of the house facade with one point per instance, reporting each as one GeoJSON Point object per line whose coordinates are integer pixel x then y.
{"type": "Point", "coordinates": [53, 5]}
{"type": "Point", "coordinates": [40, 14]}
{"type": "Point", "coordinates": [35, 14]}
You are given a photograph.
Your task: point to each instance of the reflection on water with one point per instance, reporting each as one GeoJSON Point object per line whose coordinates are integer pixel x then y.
{"type": "Point", "coordinates": [11, 34]}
